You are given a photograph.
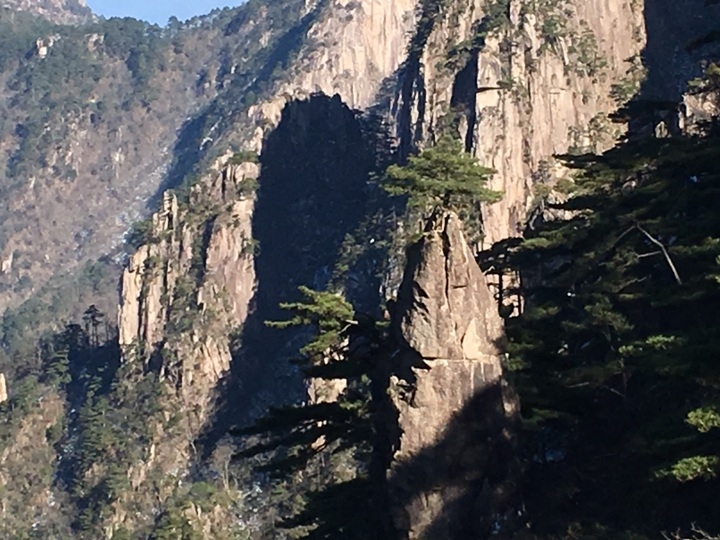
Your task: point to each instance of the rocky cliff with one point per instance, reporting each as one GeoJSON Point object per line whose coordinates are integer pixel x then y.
{"type": "Point", "coordinates": [516, 90]}
{"type": "Point", "coordinates": [455, 411]}
{"type": "Point", "coordinates": [188, 289]}
{"type": "Point", "coordinates": [184, 294]}
{"type": "Point", "coordinates": [309, 98]}
{"type": "Point", "coordinates": [352, 49]}
{"type": "Point", "coordinates": [519, 81]}
{"type": "Point", "coordinates": [522, 81]}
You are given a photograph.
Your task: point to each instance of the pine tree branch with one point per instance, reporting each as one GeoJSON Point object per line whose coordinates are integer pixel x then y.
{"type": "Point", "coordinates": [665, 252]}
{"type": "Point", "coordinates": [623, 235]}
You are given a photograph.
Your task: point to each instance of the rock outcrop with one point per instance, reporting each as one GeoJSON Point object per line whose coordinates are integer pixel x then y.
{"type": "Point", "coordinates": [452, 475]}
{"type": "Point", "coordinates": [186, 289]}
{"type": "Point", "coordinates": [3, 389]}
{"type": "Point", "coordinates": [184, 295]}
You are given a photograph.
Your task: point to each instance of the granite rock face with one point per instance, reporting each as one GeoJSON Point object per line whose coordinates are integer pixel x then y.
{"type": "Point", "coordinates": [455, 411]}
{"type": "Point", "coordinates": [189, 286]}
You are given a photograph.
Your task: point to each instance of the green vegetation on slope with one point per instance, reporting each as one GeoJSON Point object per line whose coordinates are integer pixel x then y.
{"type": "Point", "coordinates": [78, 437]}
{"type": "Point", "coordinates": [93, 115]}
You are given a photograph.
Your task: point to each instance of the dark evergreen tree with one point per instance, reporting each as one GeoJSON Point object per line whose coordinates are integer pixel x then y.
{"type": "Point", "coordinates": [322, 449]}
{"type": "Point", "coordinates": [441, 175]}
{"type": "Point", "coordinates": [615, 352]}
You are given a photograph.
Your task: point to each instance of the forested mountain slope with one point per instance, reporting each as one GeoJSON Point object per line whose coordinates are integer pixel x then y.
{"type": "Point", "coordinates": [93, 117]}
{"type": "Point", "coordinates": [57, 11]}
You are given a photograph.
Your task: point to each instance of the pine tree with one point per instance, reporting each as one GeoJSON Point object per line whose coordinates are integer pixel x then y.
{"type": "Point", "coordinates": [615, 351]}
{"type": "Point", "coordinates": [300, 439]}
{"type": "Point", "coordinates": [441, 175]}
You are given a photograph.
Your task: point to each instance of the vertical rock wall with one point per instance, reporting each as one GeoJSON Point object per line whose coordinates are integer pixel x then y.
{"type": "Point", "coordinates": [190, 285]}
{"type": "Point", "coordinates": [539, 84]}
{"type": "Point", "coordinates": [453, 471]}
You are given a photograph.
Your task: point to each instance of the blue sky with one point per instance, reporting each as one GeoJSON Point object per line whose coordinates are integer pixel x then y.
{"type": "Point", "coordinates": [157, 11]}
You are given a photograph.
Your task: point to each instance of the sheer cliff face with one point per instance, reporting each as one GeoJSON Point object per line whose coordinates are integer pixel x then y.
{"type": "Point", "coordinates": [565, 104]}
{"type": "Point", "coordinates": [184, 294]}
{"type": "Point", "coordinates": [537, 84]}
{"type": "Point", "coordinates": [185, 291]}
{"type": "Point", "coordinates": [353, 48]}
{"type": "Point", "coordinates": [455, 413]}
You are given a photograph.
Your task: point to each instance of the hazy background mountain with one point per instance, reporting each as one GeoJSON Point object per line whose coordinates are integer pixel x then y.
{"type": "Point", "coordinates": [57, 11]}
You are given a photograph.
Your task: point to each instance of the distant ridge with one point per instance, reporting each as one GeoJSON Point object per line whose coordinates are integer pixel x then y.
{"type": "Point", "coordinates": [57, 11]}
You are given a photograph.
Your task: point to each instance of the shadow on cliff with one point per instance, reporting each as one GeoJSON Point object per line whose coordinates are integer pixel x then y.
{"type": "Point", "coordinates": [194, 144]}
{"type": "Point", "coordinates": [671, 28]}
{"type": "Point", "coordinates": [314, 193]}
{"type": "Point", "coordinates": [672, 56]}
{"type": "Point", "coordinates": [473, 465]}
{"type": "Point", "coordinates": [463, 486]}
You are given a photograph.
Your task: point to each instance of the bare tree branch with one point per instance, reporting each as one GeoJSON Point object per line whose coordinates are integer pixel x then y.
{"type": "Point", "coordinates": [662, 247]}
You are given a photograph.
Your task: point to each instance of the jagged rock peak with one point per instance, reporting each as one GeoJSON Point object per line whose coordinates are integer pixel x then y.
{"type": "Point", "coordinates": [455, 411]}
{"type": "Point", "coordinates": [193, 278]}
{"type": "Point", "coordinates": [447, 310]}
{"type": "Point", "coordinates": [57, 11]}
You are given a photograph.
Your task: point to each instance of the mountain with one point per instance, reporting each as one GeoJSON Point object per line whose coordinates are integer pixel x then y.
{"type": "Point", "coordinates": [97, 118]}
{"type": "Point", "coordinates": [231, 166]}
{"type": "Point", "coordinates": [56, 11]}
